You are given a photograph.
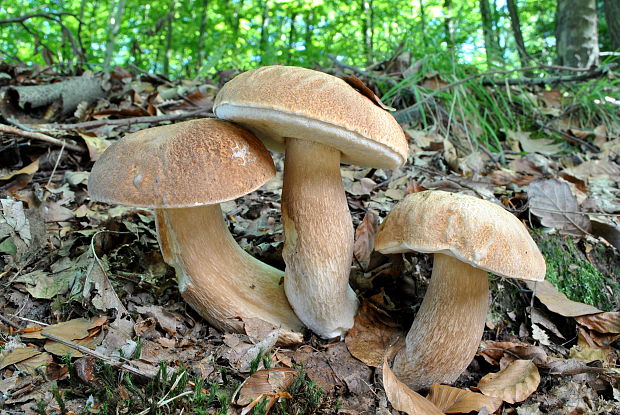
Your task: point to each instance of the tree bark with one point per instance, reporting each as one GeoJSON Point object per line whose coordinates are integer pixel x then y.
{"type": "Point", "coordinates": [576, 33]}
{"type": "Point", "coordinates": [292, 33]}
{"type": "Point", "coordinates": [264, 32]}
{"type": "Point", "coordinates": [491, 44]}
{"type": "Point", "coordinates": [114, 26]}
{"type": "Point", "coordinates": [515, 23]}
{"type": "Point", "coordinates": [202, 28]}
{"type": "Point", "coordinates": [612, 17]}
{"type": "Point", "coordinates": [169, 28]}
{"type": "Point", "coordinates": [367, 29]}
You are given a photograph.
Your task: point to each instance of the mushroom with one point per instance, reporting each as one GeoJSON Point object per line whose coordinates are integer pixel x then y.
{"type": "Point", "coordinates": [468, 237]}
{"type": "Point", "coordinates": [320, 121]}
{"type": "Point", "coordinates": [184, 171]}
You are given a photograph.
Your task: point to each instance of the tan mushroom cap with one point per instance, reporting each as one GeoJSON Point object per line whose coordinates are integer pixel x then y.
{"type": "Point", "coordinates": [279, 102]}
{"type": "Point", "coordinates": [192, 163]}
{"type": "Point", "coordinates": [475, 231]}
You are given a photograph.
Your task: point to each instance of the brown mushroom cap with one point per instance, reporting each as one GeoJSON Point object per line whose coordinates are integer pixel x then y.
{"type": "Point", "coordinates": [475, 231]}
{"type": "Point", "coordinates": [279, 102]}
{"type": "Point", "coordinates": [192, 163]}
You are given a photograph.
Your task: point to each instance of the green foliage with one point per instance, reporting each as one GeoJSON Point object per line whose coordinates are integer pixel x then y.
{"type": "Point", "coordinates": [186, 38]}
{"type": "Point", "coordinates": [577, 278]}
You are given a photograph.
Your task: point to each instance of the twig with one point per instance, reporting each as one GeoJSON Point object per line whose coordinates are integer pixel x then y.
{"type": "Point", "coordinates": [41, 137]}
{"type": "Point", "coordinates": [9, 322]}
{"type": "Point", "coordinates": [134, 120]}
{"type": "Point", "coordinates": [51, 16]}
{"type": "Point", "coordinates": [109, 360]}
{"type": "Point", "coordinates": [570, 137]}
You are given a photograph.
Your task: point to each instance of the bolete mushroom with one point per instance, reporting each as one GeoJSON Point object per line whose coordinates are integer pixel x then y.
{"type": "Point", "coordinates": [468, 237]}
{"type": "Point", "coordinates": [184, 171]}
{"type": "Point", "coordinates": [320, 121]}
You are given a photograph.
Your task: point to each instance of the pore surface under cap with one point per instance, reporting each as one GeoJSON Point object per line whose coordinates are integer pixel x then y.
{"type": "Point", "coordinates": [472, 230]}
{"type": "Point", "coordinates": [192, 163]}
{"type": "Point", "coordinates": [279, 102]}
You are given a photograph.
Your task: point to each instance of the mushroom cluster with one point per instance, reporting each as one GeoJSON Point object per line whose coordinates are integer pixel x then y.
{"type": "Point", "coordinates": [468, 237]}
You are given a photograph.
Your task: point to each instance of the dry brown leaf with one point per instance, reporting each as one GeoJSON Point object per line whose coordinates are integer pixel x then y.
{"type": "Point", "coordinates": [96, 145]}
{"type": "Point", "coordinates": [367, 92]}
{"type": "Point", "coordinates": [558, 302]}
{"type": "Point", "coordinates": [372, 334]}
{"type": "Point", "coordinates": [493, 352]}
{"type": "Point", "coordinates": [18, 355]}
{"type": "Point", "coordinates": [30, 169]}
{"type": "Point", "coordinates": [514, 383]}
{"type": "Point", "coordinates": [602, 322]}
{"type": "Point", "coordinates": [552, 201]}
{"type": "Point", "coordinates": [365, 238]}
{"type": "Point", "coordinates": [32, 364]}
{"type": "Point", "coordinates": [264, 383]}
{"type": "Point", "coordinates": [452, 400]}
{"type": "Point", "coordinates": [404, 399]}
{"type": "Point", "coordinates": [541, 145]}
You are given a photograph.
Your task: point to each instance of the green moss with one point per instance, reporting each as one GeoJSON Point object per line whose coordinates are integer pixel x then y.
{"type": "Point", "coordinates": [576, 277]}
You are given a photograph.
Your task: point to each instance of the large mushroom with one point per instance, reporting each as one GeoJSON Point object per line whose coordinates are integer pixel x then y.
{"type": "Point", "coordinates": [320, 121]}
{"type": "Point", "coordinates": [468, 237]}
{"type": "Point", "coordinates": [184, 171]}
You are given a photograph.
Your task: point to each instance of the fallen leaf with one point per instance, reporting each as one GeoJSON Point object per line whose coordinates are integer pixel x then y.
{"type": "Point", "coordinates": [557, 302]}
{"type": "Point", "coordinates": [258, 329]}
{"type": "Point", "coordinates": [372, 334]}
{"type": "Point", "coordinates": [18, 355]}
{"type": "Point", "coordinates": [603, 322]}
{"type": "Point", "coordinates": [493, 352]}
{"type": "Point", "coordinates": [32, 364]}
{"type": "Point", "coordinates": [359, 86]}
{"type": "Point", "coordinates": [362, 187]}
{"type": "Point", "coordinates": [557, 207]}
{"type": "Point", "coordinates": [365, 238]}
{"type": "Point", "coordinates": [590, 354]}
{"type": "Point", "coordinates": [264, 382]}
{"type": "Point", "coordinates": [514, 383]}
{"type": "Point", "coordinates": [30, 169]}
{"type": "Point", "coordinates": [403, 398]}
{"type": "Point", "coordinates": [541, 145]}
{"type": "Point", "coordinates": [452, 400]}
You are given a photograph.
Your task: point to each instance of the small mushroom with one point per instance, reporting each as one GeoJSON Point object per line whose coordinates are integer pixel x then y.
{"type": "Point", "coordinates": [184, 171]}
{"type": "Point", "coordinates": [319, 121]}
{"type": "Point", "coordinates": [468, 237]}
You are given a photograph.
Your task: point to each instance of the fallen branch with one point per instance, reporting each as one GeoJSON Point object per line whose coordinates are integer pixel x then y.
{"type": "Point", "coordinates": [9, 322]}
{"type": "Point", "coordinates": [135, 120]}
{"type": "Point", "coordinates": [109, 360]}
{"type": "Point", "coordinates": [41, 137]}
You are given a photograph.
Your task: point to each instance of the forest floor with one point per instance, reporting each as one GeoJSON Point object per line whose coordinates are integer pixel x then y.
{"type": "Point", "coordinates": [89, 309]}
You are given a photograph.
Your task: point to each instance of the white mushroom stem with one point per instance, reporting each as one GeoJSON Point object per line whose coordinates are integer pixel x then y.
{"type": "Point", "coordinates": [448, 328]}
{"type": "Point", "coordinates": [318, 245]}
{"type": "Point", "coordinates": [221, 281]}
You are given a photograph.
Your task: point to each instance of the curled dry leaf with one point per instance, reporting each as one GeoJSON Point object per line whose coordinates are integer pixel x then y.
{"type": "Point", "coordinates": [452, 400]}
{"type": "Point", "coordinates": [558, 302]}
{"type": "Point", "coordinates": [18, 355]}
{"type": "Point", "coordinates": [602, 322]}
{"type": "Point", "coordinates": [404, 399]}
{"type": "Point", "coordinates": [367, 92]}
{"type": "Point", "coordinates": [514, 383]}
{"type": "Point", "coordinates": [493, 352]}
{"type": "Point", "coordinates": [372, 334]}
{"type": "Point", "coordinates": [552, 201]}
{"type": "Point", "coordinates": [365, 238]}
{"type": "Point", "coordinates": [269, 383]}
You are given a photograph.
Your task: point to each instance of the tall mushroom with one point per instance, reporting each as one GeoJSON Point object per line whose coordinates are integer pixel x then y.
{"type": "Point", "coordinates": [320, 121]}
{"type": "Point", "coordinates": [469, 237]}
{"type": "Point", "coordinates": [184, 171]}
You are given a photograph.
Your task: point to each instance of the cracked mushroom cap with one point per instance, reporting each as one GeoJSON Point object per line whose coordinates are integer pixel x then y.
{"type": "Point", "coordinates": [279, 102]}
{"type": "Point", "coordinates": [192, 163]}
{"type": "Point", "coordinates": [475, 231]}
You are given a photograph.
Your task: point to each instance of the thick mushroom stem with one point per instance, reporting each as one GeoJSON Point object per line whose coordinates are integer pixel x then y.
{"type": "Point", "coordinates": [448, 328]}
{"type": "Point", "coordinates": [221, 281]}
{"type": "Point", "coordinates": [318, 246]}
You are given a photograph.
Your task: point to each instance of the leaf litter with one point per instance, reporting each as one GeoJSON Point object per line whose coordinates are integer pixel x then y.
{"type": "Point", "coordinates": [59, 268]}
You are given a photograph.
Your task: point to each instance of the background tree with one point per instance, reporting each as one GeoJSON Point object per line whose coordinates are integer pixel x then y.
{"type": "Point", "coordinates": [577, 33]}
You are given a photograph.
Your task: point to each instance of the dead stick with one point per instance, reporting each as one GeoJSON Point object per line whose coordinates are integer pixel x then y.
{"type": "Point", "coordinates": [41, 137]}
{"type": "Point", "coordinates": [9, 322]}
{"type": "Point", "coordinates": [97, 355]}
{"type": "Point", "coordinates": [134, 120]}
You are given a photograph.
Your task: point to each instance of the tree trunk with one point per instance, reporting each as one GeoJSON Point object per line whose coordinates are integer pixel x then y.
{"type": "Point", "coordinates": [612, 17]}
{"type": "Point", "coordinates": [168, 50]}
{"type": "Point", "coordinates": [292, 33]}
{"type": "Point", "coordinates": [114, 25]}
{"type": "Point", "coordinates": [576, 33]}
{"type": "Point", "coordinates": [367, 28]}
{"type": "Point", "coordinates": [235, 24]}
{"type": "Point", "coordinates": [423, 20]}
{"type": "Point", "coordinates": [490, 40]}
{"type": "Point", "coordinates": [264, 32]}
{"type": "Point", "coordinates": [309, 23]}
{"type": "Point", "coordinates": [447, 23]}
{"type": "Point", "coordinates": [202, 28]}
{"type": "Point", "coordinates": [516, 31]}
